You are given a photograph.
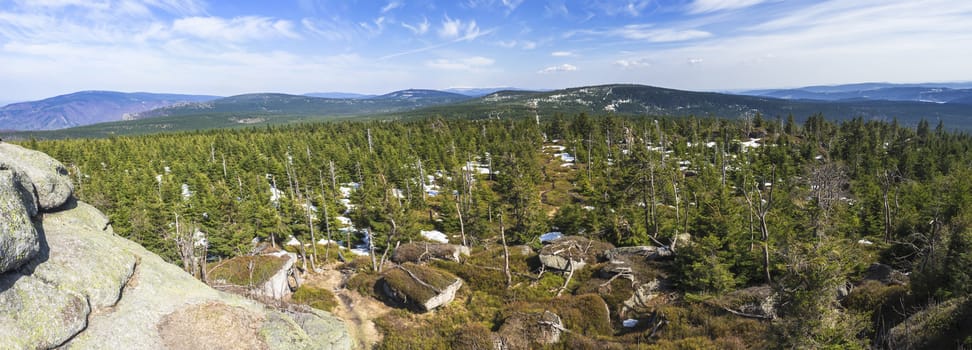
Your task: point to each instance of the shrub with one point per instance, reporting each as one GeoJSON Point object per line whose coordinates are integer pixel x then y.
{"type": "Point", "coordinates": [238, 271]}
{"type": "Point", "coordinates": [364, 283]}
{"type": "Point", "coordinates": [400, 280]}
{"type": "Point", "coordinates": [318, 298]}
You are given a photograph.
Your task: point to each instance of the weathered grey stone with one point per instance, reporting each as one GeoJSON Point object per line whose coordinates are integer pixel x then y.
{"type": "Point", "coordinates": [529, 330]}
{"type": "Point", "coordinates": [885, 274]}
{"type": "Point", "coordinates": [421, 286]}
{"type": "Point", "coordinates": [86, 288]}
{"type": "Point", "coordinates": [37, 315]}
{"type": "Point", "coordinates": [18, 238]}
{"type": "Point", "coordinates": [86, 263]}
{"type": "Point", "coordinates": [278, 286]}
{"type": "Point", "coordinates": [324, 330]}
{"type": "Point", "coordinates": [26, 188]}
{"type": "Point", "coordinates": [52, 185]}
{"type": "Point", "coordinates": [647, 252]}
{"type": "Point", "coordinates": [572, 252]}
{"type": "Point", "coordinates": [757, 300]}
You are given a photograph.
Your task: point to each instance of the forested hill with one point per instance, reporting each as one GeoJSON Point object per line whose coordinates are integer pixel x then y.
{"type": "Point", "coordinates": [656, 101]}
{"type": "Point", "coordinates": [781, 234]}
{"type": "Point", "coordinates": [269, 104]}
{"type": "Point", "coordinates": [630, 100]}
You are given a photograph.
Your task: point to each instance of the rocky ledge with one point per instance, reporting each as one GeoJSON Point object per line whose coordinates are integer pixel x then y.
{"type": "Point", "coordinates": [67, 281]}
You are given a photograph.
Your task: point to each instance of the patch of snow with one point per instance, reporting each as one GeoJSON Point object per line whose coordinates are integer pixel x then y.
{"type": "Point", "coordinates": [435, 236]}
{"type": "Point", "coordinates": [629, 323]}
{"type": "Point", "coordinates": [566, 157]}
{"type": "Point", "coordinates": [865, 242]}
{"type": "Point", "coordinates": [293, 241]}
{"type": "Point", "coordinates": [752, 143]}
{"type": "Point", "coordinates": [275, 194]}
{"type": "Point", "coordinates": [550, 236]}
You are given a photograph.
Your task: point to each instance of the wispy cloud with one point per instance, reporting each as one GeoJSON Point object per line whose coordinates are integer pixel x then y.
{"type": "Point", "coordinates": [561, 54]}
{"type": "Point", "coordinates": [556, 9]}
{"type": "Point", "coordinates": [633, 63]}
{"type": "Point", "coordinates": [633, 8]}
{"type": "Point", "coordinates": [646, 32]}
{"type": "Point", "coordinates": [557, 69]}
{"type": "Point", "coordinates": [456, 28]}
{"type": "Point", "coordinates": [465, 64]}
{"type": "Point", "coordinates": [330, 30]}
{"type": "Point", "coordinates": [237, 29]}
{"type": "Point", "coordinates": [522, 44]}
{"type": "Point", "coordinates": [391, 6]}
{"type": "Point", "coordinates": [419, 28]}
{"type": "Point", "coordinates": [375, 27]}
{"type": "Point", "coordinates": [703, 6]}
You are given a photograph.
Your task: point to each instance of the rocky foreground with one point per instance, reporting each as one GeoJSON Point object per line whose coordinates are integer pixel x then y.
{"type": "Point", "coordinates": [67, 281]}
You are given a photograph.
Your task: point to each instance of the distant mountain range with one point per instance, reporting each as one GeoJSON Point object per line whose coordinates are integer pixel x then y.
{"type": "Point", "coordinates": [934, 93]}
{"type": "Point", "coordinates": [254, 107]}
{"type": "Point", "coordinates": [952, 105]}
{"type": "Point", "coordinates": [337, 95]}
{"type": "Point", "coordinates": [86, 107]}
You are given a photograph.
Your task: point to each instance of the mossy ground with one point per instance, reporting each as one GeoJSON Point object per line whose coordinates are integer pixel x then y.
{"type": "Point", "coordinates": [247, 270]}
{"type": "Point", "coordinates": [318, 298]}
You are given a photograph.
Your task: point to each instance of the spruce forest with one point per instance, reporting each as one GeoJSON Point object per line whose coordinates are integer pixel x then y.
{"type": "Point", "coordinates": [746, 233]}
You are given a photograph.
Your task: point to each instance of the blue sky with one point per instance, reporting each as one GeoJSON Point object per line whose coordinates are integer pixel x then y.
{"type": "Point", "coordinates": [50, 47]}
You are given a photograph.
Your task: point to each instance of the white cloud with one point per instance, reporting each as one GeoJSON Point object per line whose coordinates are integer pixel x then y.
{"type": "Point", "coordinates": [512, 4]}
{"type": "Point", "coordinates": [418, 28]}
{"type": "Point", "coordinates": [457, 29]}
{"type": "Point", "coordinates": [556, 9]}
{"type": "Point", "coordinates": [647, 33]}
{"type": "Point", "coordinates": [329, 30]}
{"type": "Point", "coordinates": [622, 7]}
{"type": "Point", "coordinates": [695, 61]}
{"type": "Point", "coordinates": [523, 44]}
{"type": "Point", "coordinates": [391, 6]}
{"type": "Point", "coordinates": [468, 63]}
{"type": "Point", "coordinates": [237, 29]}
{"type": "Point", "coordinates": [375, 27]}
{"type": "Point", "coordinates": [703, 6]}
{"type": "Point", "coordinates": [556, 69]}
{"type": "Point", "coordinates": [633, 63]}
{"type": "Point", "coordinates": [561, 54]}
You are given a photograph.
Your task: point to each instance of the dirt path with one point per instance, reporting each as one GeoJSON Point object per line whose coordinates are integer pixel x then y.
{"type": "Point", "coordinates": [356, 310]}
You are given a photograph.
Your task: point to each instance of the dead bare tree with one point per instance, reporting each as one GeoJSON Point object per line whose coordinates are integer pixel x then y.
{"type": "Point", "coordinates": [888, 179]}
{"type": "Point", "coordinates": [462, 226]}
{"type": "Point", "coordinates": [506, 254]}
{"type": "Point", "coordinates": [760, 202]}
{"type": "Point", "coordinates": [826, 182]}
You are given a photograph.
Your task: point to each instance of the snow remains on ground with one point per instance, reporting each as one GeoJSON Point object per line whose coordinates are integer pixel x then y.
{"type": "Point", "coordinates": [435, 236]}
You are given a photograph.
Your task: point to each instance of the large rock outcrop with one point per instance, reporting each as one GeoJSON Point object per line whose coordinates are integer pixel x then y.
{"type": "Point", "coordinates": [51, 184]}
{"type": "Point", "coordinates": [525, 330]}
{"type": "Point", "coordinates": [420, 286]}
{"type": "Point", "coordinates": [572, 252]}
{"type": "Point", "coordinates": [18, 239]}
{"type": "Point", "coordinates": [78, 286]}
